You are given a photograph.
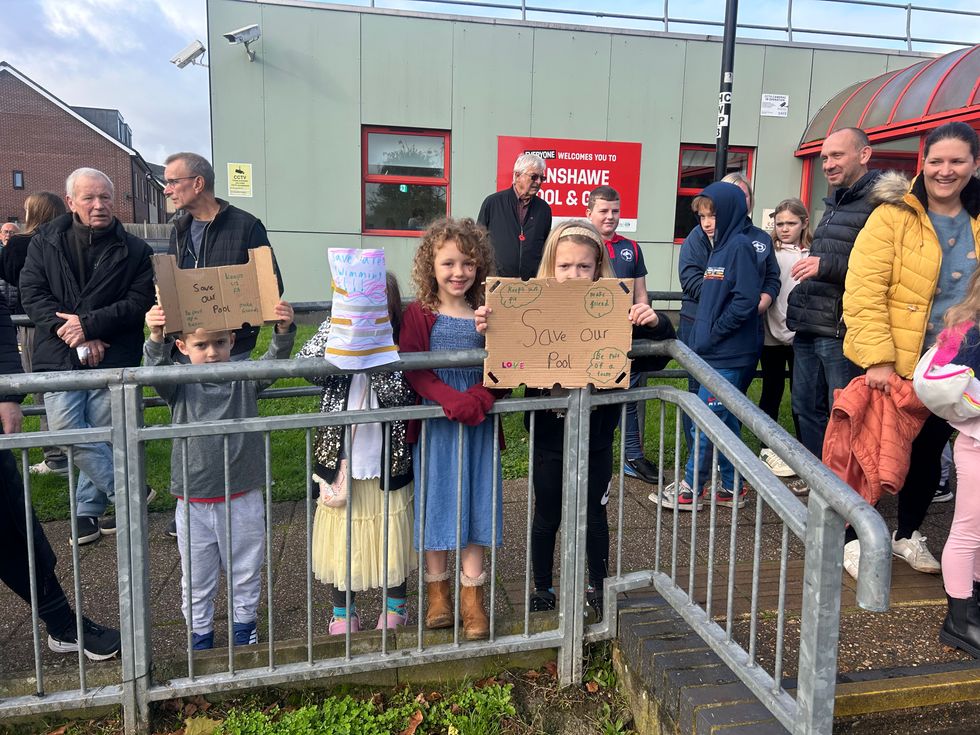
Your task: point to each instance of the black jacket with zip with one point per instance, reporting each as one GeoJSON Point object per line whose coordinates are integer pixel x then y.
{"type": "Point", "coordinates": [111, 306]}
{"type": "Point", "coordinates": [816, 305]}
{"type": "Point", "coordinates": [226, 241]}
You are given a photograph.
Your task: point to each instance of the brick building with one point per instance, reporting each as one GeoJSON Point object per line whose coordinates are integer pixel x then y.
{"type": "Point", "coordinates": [44, 140]}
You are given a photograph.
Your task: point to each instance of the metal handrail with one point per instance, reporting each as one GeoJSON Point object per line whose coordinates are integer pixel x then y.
{"type": "Point", "coordinates": [664, 18]}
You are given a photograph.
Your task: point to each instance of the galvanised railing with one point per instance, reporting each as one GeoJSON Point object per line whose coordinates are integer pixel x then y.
{"type": "Point", "coordinates": [698, 556]}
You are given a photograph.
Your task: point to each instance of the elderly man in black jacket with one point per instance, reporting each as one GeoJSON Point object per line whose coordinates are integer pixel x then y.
{"type": "Point", "coordinates": [87, 285]}
{"type": "Point", "coordinates": [211, 232]}
{"type": "Point", "coordinates": [518, 220]}
{"type": "Point", "coordinates": [815, 311]}
{"type": "Point", "coordinates": [53, 608]}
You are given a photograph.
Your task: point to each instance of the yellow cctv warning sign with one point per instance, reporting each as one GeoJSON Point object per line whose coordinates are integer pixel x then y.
{"type": "Point", "coordinates": [239, 179]}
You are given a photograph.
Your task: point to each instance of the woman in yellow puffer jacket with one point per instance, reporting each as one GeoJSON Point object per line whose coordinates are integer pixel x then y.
{"type": "Point", "coordinates": [910, 263]}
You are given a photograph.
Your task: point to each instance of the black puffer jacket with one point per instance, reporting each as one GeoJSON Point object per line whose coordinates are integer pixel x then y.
{"type": "Point", "coordinates": [816, 304]}
{"type": "Point", "coordinates": [226, 241]}
{"type": "Point", "coordinates": [111, 307]}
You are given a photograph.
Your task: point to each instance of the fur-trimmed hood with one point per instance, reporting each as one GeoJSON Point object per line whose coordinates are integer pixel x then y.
{"type": "Point", "coordinates": [893, 187]}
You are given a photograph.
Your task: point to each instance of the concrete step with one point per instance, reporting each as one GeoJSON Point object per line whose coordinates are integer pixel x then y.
{"type": "Point", "coordinates": [676, 684]}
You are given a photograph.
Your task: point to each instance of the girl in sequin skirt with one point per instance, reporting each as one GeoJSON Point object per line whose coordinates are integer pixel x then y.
{"type": "Point", "coordinates": [364, 463]}
{"type": "Point", "coordinates": [451, 264]}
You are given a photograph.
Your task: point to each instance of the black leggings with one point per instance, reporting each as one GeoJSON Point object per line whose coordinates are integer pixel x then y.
{"type": "Point", "coordinates": [548, 475]}
{"type": "Point", "coordinates": [774, 361]}
{"type": "Point", "coordinates": [53, 607]}
{"type": "Point", "coordinates": [925, 468]}
{"type": "Point", "coordinates": [339, 596]}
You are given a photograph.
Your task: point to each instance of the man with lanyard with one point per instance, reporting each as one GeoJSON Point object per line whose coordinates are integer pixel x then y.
{"type": "Point", "coordinates": [627, 261]}
{"type": "Point", "coordinates": [518, 220]}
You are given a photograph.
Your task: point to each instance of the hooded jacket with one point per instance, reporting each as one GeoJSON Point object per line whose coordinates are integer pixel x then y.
{"type": "Point", "coordinates": [816, 305]}
{"type": "Point", "coordinates": [693, 258]}
{"type": "Point", "coordinates": [111, 306]}
{"type": "Point", "coordinates": [726, 328]}
{"type": "Point", "coordinates": [226, 241]}
{"type": "Point", "coordinates": [893, 274]}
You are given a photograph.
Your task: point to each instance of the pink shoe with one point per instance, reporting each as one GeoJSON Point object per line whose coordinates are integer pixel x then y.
{"type": "Point", "coordinates": [338, 626]}
{"type": "Point", "coordinates": [394, 620]}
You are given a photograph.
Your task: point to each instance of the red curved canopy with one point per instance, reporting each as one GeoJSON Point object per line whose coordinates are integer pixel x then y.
{"type": "Point", "coordinates": [903, 102]}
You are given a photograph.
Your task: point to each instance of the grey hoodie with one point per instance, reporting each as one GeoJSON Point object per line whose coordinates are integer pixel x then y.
{"type": "Point", "coordinates": [195, 402]}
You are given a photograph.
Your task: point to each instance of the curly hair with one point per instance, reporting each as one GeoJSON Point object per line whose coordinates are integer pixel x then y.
{"type": "Point", "coordinates": [473, 241]}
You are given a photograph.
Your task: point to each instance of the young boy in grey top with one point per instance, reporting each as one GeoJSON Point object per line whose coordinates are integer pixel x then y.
{"type": "Point", "coordinates": [207, 543]}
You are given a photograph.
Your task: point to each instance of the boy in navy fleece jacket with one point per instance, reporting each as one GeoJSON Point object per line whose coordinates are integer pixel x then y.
{"type": "Point", "coordinates": [725, 335]}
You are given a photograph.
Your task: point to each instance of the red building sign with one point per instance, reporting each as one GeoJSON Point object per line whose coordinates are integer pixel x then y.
{"type": "Point", "coordinates": [575, 168]}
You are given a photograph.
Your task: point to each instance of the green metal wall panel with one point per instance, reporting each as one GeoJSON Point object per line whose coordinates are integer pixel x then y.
{"type": "Point", "coordinates": [406, 72]}
{"type": "Point", "coordinates": [302, 258]}
{"type": "Point", "coordinates": [238, 103]}
{"type": "Point", "coordinates": [699, 108]}
{"type": "Point", "coordinates": [492, 83]}
{"type": "Point", "coordinates": [570, 79]}
{"type": "Point", "coordinates": [312, 94]}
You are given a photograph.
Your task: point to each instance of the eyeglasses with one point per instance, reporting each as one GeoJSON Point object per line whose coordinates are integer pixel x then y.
{"type": "Point", "coordinates": [174, 182]}
{"type": "Point", "coordinates": [534, 177]}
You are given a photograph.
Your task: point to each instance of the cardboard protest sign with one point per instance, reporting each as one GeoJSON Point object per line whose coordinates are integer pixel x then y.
{"type": "Point", "coordinates": [219, 298]}
{"type": "Point", "coordinates": [360, 328]}
{"type": "Point", "coordinates": [542, 333]}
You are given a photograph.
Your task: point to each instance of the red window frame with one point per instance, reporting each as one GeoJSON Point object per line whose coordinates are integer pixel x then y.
{"type": "Point", "coordinates": [367, 178]}
{"type": "Point", "coordinates": [693, 192]}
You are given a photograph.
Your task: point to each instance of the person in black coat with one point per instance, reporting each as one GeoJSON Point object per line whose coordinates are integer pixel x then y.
{"type": "Point", "coordinates": [518, 220]}
{"type": "Point", "coordinates": [86, 285]}
{"type": "Point", "coordinates": [53, 608]}
{"type": "Point", "coordinates": [211, 232]}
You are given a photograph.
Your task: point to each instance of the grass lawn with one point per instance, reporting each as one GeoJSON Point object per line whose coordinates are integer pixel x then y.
{"type": "Point", "coordinates": [50, 493]}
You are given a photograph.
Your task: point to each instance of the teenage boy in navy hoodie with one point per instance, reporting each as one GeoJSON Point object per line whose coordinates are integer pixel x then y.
{"type": "Point", "coordinates": [724, 334]}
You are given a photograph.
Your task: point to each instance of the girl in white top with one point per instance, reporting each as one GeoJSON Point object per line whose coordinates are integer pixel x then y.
{"type": "Point", "coordinates": [791, 242]}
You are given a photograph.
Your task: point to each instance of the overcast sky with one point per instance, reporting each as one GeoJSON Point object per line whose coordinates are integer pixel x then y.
{"type": "Point", "coordinates": [115, 53]}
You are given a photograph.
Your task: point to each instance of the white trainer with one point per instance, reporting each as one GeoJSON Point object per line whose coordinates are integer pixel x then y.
{"type": "Point", "coordinates": [852, 557]}
{"type": "Point", "coordinates": [776, 464]}
{"type": "Point", "coordinates": [916, 553]}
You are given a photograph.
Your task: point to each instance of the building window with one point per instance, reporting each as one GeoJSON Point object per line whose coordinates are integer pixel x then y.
{"type": "Point", "coordinates": [405, 179]}
{"type": "Point", "coordinates": [18, 179]}
{"type": "Point", "coordinates": [696, 171]}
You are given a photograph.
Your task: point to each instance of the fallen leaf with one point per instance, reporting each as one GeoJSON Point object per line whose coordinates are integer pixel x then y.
{"type": "Point", "coordinates": [413, 723]}
{"type": "Point", "coordinates": [592, 687]}
{"type": "Point", "coordinates": [434, 696]}
{"type": "Point", "coordinates": [483, 683]}
{"type": "Point", "coordinates": [203, 705]}
{"type": "Point", "coordinates": [60, 731]}
{"type": "Point", "coordinates": [551, 667]}
{"type": "Point", "coordinates": [532, 674]}
{"type": "Point", "coordinates": [200, 726]}
{"type": "Point", "coordinates": [190, 709]}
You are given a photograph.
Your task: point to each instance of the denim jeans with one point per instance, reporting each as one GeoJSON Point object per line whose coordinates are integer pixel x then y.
{"type": "Point", "coordinates": [735, 376]}
{"type": "Point", "coordinates": [820, 368]}
{"type": "Point", "coordinates": [684, 327]}
{"type": "Point", "coordinates": [83, 409]}
{"type": "Point", "coordinates": [631, 436]}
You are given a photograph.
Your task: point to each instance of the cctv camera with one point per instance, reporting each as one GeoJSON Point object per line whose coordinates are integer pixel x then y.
{"type": "Point", "coordinates": [244, 35]}
{"type": "Point", "coordinates": [189, 55]}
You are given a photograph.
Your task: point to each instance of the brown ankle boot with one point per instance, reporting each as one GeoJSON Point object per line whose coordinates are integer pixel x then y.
{"type": "Point", "coordinates": [476, 626]}
{"type": "Point", "coordinates": [439, 604]}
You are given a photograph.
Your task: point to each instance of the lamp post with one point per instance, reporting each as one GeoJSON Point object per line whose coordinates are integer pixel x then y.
{"type": "Point", "coordinates": [725, 90]}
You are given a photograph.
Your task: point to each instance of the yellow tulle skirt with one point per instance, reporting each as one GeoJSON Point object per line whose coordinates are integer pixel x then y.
{"type": "Point", "coordinates": [367, 542]}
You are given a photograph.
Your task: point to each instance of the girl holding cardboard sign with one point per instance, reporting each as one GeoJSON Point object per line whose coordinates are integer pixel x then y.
{"type": "Point", "coordinates": [575, 249]}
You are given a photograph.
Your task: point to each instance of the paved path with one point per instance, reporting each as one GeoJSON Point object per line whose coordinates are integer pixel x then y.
{"type": "Point", "coordinates": [906, 636]}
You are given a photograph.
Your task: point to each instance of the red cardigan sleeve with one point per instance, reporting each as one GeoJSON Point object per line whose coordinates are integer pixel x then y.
{"type": "Point", "coordinates": [414, 337]}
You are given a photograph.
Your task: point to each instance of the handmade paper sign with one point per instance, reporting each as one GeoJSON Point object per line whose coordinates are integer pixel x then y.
{"type": "Point", "coordinates": [360, 328]}
{"type": "Point", "coordinates": [542, 333]}
{"type": "Point", "coordinates": [219, 298]}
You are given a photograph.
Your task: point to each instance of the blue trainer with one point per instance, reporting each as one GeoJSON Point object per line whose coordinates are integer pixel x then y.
{"type": "Point", "coordinates": [202, 641]}
{"type": "Point", "coordinates": [245, 634]}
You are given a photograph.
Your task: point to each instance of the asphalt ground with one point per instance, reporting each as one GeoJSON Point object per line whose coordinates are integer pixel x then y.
{"type": "Point", "coordinates": [903, 637]}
